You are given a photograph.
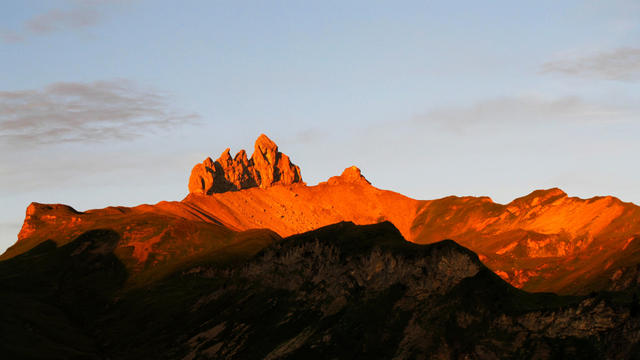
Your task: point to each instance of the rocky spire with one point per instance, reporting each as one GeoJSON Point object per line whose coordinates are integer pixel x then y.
{"type": "Point", "coordinates": [266, 167]}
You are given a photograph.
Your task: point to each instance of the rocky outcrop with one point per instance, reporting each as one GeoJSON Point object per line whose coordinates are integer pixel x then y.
{"type": "Point", "coordinates": [38, 215]}
{"type": "Point", "coordinates": [266, 167]}
{"type": "Point", "coordinates": [350, 175]}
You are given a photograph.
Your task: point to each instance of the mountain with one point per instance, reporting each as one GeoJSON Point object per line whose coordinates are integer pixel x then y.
{"type": "Point", "coordinates": [152, 240]}
{"type": "Point", "coordinates": [341, 291]}
{"type": "Point", "coordinates": [254, 263]}
{"type": "Point", "coordinates": [544, 241]}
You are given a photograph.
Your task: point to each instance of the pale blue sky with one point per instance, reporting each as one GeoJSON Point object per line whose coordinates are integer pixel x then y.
{"type": "Point", "coordinates": [112, 102]}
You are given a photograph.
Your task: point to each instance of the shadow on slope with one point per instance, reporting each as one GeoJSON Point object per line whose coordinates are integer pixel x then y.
{"type": "Point", "coordinates": [342, 291]}
{"type": "Point", "coordinates": [51, 295]}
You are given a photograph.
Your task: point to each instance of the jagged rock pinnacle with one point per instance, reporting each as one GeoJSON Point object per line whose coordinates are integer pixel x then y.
{"type": "Point", "coordinates": [266, 167]}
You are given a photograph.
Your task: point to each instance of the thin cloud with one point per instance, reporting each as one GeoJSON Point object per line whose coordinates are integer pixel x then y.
{"type": "Point", "coordinates": [526, 110]}
{"type": "Point", "coordinates": [78, 15]}
{"type": "Point", "coordinates": [622, 64]}
{"type": "Point", "coordinates": [56, 20]}
{"type": "Point", "coordinates": [85, 112]}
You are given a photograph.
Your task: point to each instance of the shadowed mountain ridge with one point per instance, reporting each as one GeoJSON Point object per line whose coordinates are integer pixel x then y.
{"type": "Point", "coordinates": [341, 291]}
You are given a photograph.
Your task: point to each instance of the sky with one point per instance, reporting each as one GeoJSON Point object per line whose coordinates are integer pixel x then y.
{"type": "Point", "coordinates": [112, 102]}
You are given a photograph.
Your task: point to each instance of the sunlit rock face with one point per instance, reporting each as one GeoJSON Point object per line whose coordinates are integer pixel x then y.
{"type": "Point", "coordinates": [38, 215]}
{"type": "Point", "coordinates": [350, 175]}
{"type": "Point", "coordinates": [266, 167]}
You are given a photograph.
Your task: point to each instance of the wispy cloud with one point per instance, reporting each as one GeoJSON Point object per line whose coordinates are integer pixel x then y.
{"type": "Point", "coordinates": [620, 64]}
{"type": "Point", "coordinates": [77, 15]}
{"type": "Point", "coordinates": [56, 19]}
{"type": "Point", "coordinates": [526, 110]}
{"type": "Point", "coordinates": [85, 112]}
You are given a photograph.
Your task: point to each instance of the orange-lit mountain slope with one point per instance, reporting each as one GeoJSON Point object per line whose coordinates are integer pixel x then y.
{"type": "Point", "coordinates": [293, 209]}
{"type": "Point", "coordinates": [153, 239]}
{"type": "Point", "coordinates": [545, 241]}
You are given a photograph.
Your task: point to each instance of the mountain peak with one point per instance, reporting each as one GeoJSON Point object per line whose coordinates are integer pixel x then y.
{"type": "Point", "coordinates": [264, 145]}
{"type": "Point", "coordinates": [351, 175]}
{"type": "Point", "coordinates": [536, 199]}
{"type": "Point", "coordinates": [266, 167]}
{"type": "Point", "coordinates": [541, 196]}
